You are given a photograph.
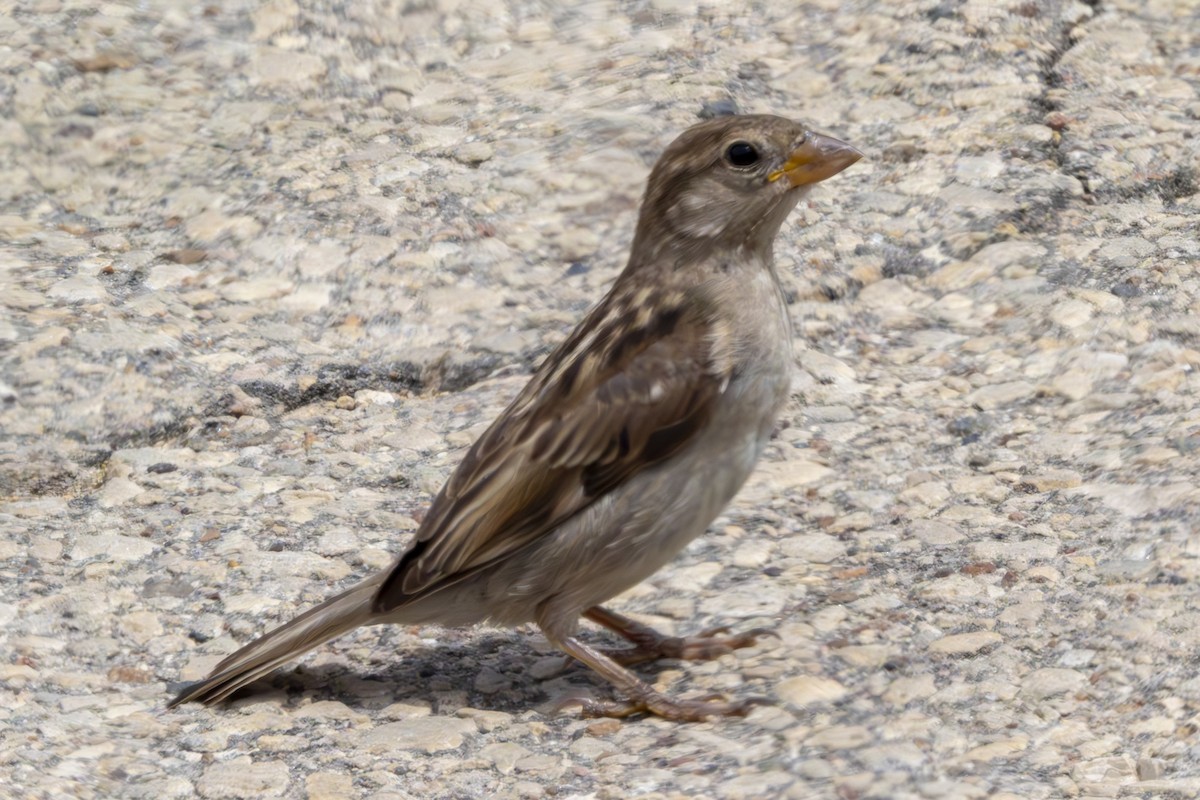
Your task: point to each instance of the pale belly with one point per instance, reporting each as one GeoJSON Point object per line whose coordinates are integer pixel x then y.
{"type": "Point", "coordinates": [629, 535]}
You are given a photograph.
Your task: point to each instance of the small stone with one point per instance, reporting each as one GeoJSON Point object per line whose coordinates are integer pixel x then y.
{"type": "Point", "coordinates": [346, 403]}
{"type": "Point", "coordinates": [276, 67]}
{"type": "Point", "coordinates": [840, 737]}
{"type": "Point", "coordinates": [534, 30]}
{"type": "Point", "coordinates": [115, 546]}
{"type": "Point", "coordinates": [489, 681]}
{"type": "Point", "coordinates": [986, 263]}
{"type": "Point", "coordinates": [933, 532]}
{"type": "Point", "coordinates": [817, 548]}
{"type": "Point", "coordinates": [190, 255]}
{"type": "Point", "coordinates": [694, 576]}
{"type": "Point", "coordinates": [1015, 552]}
{"type": "Point", "coordinates": [1103, 770]}
{"type": "Point", "coordinates": [1074, 384]}
{"type": "Point", "coordinates": [1151, 769]}
{"type": "Point", "coordinates": [952, 588]}
{"type": "Point", "coordinates": [547, 667]}
{"type": "Point", "coordinates": [79, 289]}
{"type": "Point", "coordinates": [757, 785]}
{"type": "Point", "coordinates": [979, 168]}
{"type": "Point", "coordinates": [140, 626]}
{"type": "Point", "coordinates": [752, 554]}
{"type": "Point", "coordinates": [485, 720]}
{"type": "Point", "coordinates": [17, 229]}
{"type": "Point", "coordinates": [169, 276]}
{"type": "Point", "coordinates": [328, 786]}
{"type": "Point", "coordinates": [603, 727]}
{"type": "Point", "coordinates": [256, 291]}
{"type": "Point", "coordinates": [332, 710]}
{"type": "Point", "coordinates": [828, 619]}
{"type": "Point", "coordinates": [473, 153]}
{"type": "Point", "coordinates": [372, 397]}
{"type": "Point", "coordinates": [127, 674]}
{"type": "Point", "coordinates": [718, 108]}
{"type": "Point", "coordinates": [806, 690]}
{"type": "Point", "coordinates": [1000, 395]}
{"type": "Point", "coordinates": [244, 778]}
{"type": "Point", "coordinates": [426, 734]}
{"type": "Point", "coordinates": [798, 472]}
{"type": "Point", "coordinates": [891, 755]}
{"type": "Point", "coordinates": [927, 493]}
{"type": "Point", "coordinates": [118, 491]}
{"type": "Point", "coordinates": [905, 690]}
{"type": "Point", "coordinates": [105, 62]}
{"type": "Point", "coordinates": [1043, 573]}
{"type": "Point", "coordinates": [996, 750]}
{"type": "Point", "coordinates": [538, 762]}
{"type": "Point", "coordinates": [504, 755]}
{"type": "Point", "coordinates": [1051, 681]}
{"type": "Point", "coordinates": [966, 643]}
{"type": "Point", "coordinates": [1052, 479]}
{"type": "Point", "coordinates": [272, 18]}
{"type": "Point", "coordinates": [1125, 251]}
{"type": "Point", "coordinates": [211, 225]}
{"type": "Point", "coordinates": [1071, 313]}
{"type": "Point", "coordinates": [868, 656]}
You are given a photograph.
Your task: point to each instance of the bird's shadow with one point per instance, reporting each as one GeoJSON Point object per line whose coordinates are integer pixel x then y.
{"type": "Point", "coordinates": [487, 671]}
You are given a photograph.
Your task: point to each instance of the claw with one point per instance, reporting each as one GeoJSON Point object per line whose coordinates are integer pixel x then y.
{"type": "Point", "coordinates": [753, 702]}
{"type": "Point", "coordinates": [716, 630]}
{"type": "Point", "coordinates": [610, 708]}
{"type": "Point", "coordinates": [569, 702]}
{"type": "Point", "coordinates": [649, 644]}
{"type": "Point", "coordinates": [758, 633]}
{"type": "Point", "coordinates": [705, 646]}
{"type": "Point", "coordinates": [713, 697]}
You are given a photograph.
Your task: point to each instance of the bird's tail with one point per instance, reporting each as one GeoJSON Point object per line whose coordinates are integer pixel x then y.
{"type": "Point", "coordinates": [334, 617]}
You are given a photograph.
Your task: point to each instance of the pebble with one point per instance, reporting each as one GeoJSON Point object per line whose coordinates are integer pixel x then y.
{"type": "Point", "coordinates": [905, 690]}
{"type": "Point", "coordinates": [1002, 749]}
{"type": "Point", "coordinates": [966, 643]}
{"type": "Point", "coordinates": [424, 734]}
{"type": "Point", "coordinates": [112, 546]}
{"type": "Point", "coordinates": [815, 548]}
{"type": "Point", "coordinates": [1051, 681]}
{"type": "Point", "coordinates": [504, 755]}
{"type": "Point", "coordinates": [328, 786]}
{"type": "Point", "coordinates": [839, 737]}
{"type": "Point", "coordinates": [807, 690]}
{"type": "Point", "coordinates": [242, 777]}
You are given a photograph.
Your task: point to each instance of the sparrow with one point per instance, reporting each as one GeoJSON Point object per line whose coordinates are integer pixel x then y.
{"type": "Point", "coordinates": [625, 444]}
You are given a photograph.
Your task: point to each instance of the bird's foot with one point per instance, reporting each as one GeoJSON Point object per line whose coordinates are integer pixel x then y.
{"type": "Point", "coordinates": [650, 645]}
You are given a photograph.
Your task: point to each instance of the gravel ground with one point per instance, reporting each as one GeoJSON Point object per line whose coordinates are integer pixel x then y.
{"type": "Point", "coordinates": [266, 269]}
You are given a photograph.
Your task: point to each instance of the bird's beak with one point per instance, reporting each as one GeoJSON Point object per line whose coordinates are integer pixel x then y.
{"type": "Point", "coordinates": [820, 157]}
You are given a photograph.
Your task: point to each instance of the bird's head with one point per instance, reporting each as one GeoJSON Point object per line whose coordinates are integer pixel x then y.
{"type": "Point", "coordinates": [730, 182]}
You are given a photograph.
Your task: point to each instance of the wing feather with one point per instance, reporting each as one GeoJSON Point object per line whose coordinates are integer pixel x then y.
{"type": "Point", "coordinates": [627, 390]}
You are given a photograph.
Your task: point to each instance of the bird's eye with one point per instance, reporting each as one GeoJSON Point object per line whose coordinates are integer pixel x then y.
{"type": "Point", "coordinates": [741, 154]}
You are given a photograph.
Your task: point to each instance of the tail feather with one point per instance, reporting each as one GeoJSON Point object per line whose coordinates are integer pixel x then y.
{"type": "Point", "coordinates": [335, 616]}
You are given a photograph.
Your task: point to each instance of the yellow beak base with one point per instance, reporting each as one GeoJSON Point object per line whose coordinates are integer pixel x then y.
{"type": "Point", "coordinates": [820, 157]}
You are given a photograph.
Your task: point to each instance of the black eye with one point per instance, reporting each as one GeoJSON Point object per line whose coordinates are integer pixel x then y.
{"type": "Point", "coordinates": [741, 154]}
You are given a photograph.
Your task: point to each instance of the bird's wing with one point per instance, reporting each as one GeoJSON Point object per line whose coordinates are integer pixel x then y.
{"type": "Point", "coordinates": [632, 386]}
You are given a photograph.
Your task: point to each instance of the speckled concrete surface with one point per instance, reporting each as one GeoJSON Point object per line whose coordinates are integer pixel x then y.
{"type": "Point", "coordinates": [266, 268]}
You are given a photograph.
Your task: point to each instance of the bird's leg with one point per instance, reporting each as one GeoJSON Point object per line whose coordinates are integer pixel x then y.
{"type": "Point", "coordinates": [649, 644]}
{"type": "Point", "coordinates": [641, 696]}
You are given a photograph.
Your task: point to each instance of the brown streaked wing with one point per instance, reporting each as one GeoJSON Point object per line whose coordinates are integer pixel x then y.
{"type": "Point", "coordinates": [633, 398]}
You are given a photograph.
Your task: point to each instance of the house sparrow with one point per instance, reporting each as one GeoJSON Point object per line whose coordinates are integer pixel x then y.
{"type": "Point", "coordinates": [627, 441]}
